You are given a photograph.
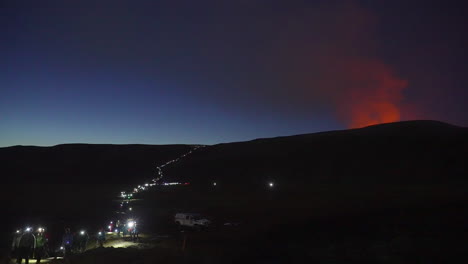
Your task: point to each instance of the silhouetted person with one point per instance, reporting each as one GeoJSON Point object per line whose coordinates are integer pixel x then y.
{"type": "Point", "coordinates": [101, 237]}
{"type": "Point", "coordinates": [82, 241]}
{"type": "Point", "coordinates": [134, 233]}
{"type": "Point", "coordinates": [124, 230]}
{"type": "Point", "coordinates": [26, 246]}
{"type": "Point", "coordinates": [76, 242]}
{"type": "Point", "coordinates": [40, 246]}
{"type": "Point", "coordinates": [15, 244]}
{"type": "Point", "coordinates": [67, 242]}
{"type": "Point", "coordinates": [118, 227]}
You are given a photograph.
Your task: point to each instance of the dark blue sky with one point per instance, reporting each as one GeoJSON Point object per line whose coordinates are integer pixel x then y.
{"type": "Point", "coordinates": [160, 72]}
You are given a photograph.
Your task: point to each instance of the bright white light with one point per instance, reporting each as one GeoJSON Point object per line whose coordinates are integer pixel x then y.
{"type": "Point", "coordinates": [130, 208]}
{"type": "Point", "coordinates": [110, 227]}
{"type": "Point", "coordinates": [214, 183]}
{"type": "Point", "coordinates": [271, 184]}
{"type": "Point", "coordinates": [116, 230]}
{"type": "Point", "coordinates": [61, 248]}
{"type": "Point", "coordinates": [28, 229]}
{"type": "Point", "coordinates": [100, 233]}
{"type": "Point", "coordinates": [131, 224]}
{"type": "Point", "coordinates": [40, 229]}
{"type": "Point", "coordinates": [146, 184]}
{"type": "Point", "coordinates": [17, 231]}
{"type": "Point", "coordinates": [82, 232]}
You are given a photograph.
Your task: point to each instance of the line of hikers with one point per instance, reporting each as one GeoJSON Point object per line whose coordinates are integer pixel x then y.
{"type": "Point", "coordinates": [74, 243]}
{"type": "Point", "coordinates": [28, 244]}
{"type": "Point", "coordinates": [127, 229]}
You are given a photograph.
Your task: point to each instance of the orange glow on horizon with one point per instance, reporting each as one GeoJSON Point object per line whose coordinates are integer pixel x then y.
{"type": "Point", "coordinates": [373, 94]}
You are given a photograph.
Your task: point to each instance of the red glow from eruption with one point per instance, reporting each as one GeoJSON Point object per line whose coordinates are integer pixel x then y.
{"type": "Point", "coordinates": [373, 94]}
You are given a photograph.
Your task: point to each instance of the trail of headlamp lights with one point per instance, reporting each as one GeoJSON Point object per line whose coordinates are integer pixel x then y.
{"type": "Point", "coordinates": [159, 177]}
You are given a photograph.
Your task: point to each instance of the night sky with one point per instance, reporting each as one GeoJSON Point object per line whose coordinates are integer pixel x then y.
{"type": "Point", "coordinates": [160, 72]}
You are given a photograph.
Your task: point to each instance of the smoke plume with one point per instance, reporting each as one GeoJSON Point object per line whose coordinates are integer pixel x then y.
{"type": "Point", "coordinates": [337, 64]}
{"type": "Point", "coordinates": [371, 93]}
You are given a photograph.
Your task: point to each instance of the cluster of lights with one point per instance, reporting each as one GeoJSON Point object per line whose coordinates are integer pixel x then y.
{"type": "Point", "coordinates": [30, 229]}
{"type": "Point", "coordinates": [126, 196]}
{"type": "Point", "coordinates": [174, 183]}
{"type": "Point", "coordinates": [111, 226]}
{"type": "Point", "coordinates": [122, 203]}
{"type": "Point", "coordinates": [140, 188]}
{"type": "Point", "coordinates": [154, 181]}
{"type": "Point", "coordinates": [131, 224]}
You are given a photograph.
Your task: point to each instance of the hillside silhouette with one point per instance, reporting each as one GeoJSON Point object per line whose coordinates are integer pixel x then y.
{"type": "Point", "coordinates": [404, 152]}
{"type": "Point", "coordinates": [361, 189]}
{"type": "Point", "coordinates": [85, 163]}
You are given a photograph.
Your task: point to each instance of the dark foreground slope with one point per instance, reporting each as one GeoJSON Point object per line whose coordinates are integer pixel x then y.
{"type": "Point", "coordinates": [389, 165]}
{"type": "Point", "coordinates": [393, 193]}
{"type": "Point", "coordinates": [72, 183]}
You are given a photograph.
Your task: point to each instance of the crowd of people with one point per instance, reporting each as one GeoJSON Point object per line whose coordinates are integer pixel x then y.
{"type": "Point", "coordinates": [26, 244]}
{"type": "Point", "coordinates": [34, 244]}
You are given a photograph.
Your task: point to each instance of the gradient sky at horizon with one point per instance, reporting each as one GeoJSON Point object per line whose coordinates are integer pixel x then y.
{"type": "Point", "coordinates": [206, 72]}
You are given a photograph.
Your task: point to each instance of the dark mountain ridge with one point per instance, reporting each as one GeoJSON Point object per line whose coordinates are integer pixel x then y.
{"type": "Point", "coordinates": [410, 151]}
{"type": "Point", "coordinates": [404, 152]}
{"type": "Point", "coordinates": [82, 163]}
